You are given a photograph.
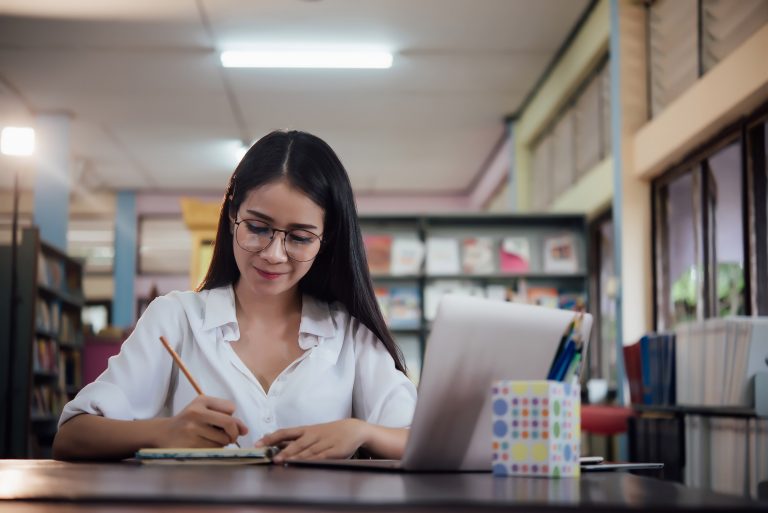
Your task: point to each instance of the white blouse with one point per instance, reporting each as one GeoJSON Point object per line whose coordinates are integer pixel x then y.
{"type": "Point", "coordinates": [345, 370]}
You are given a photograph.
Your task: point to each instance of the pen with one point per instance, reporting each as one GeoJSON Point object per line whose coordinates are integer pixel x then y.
{"type": "Point", "coordinates": [177, 359]}
{"type": "Point", "coordinates": [560, 347]}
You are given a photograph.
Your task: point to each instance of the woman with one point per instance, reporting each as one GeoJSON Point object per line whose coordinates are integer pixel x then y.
{"type": "Point", "coordinates": [284, 335]}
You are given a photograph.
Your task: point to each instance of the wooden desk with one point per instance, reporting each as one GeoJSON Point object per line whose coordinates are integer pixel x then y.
{"type": "Point", "coordinates": [43, 485]}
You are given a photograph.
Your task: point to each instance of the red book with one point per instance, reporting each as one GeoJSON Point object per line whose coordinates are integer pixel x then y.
{"type": "Point", "coordinates": [634, 371]}
{"type": "Point", "coordinates": [378, 249]}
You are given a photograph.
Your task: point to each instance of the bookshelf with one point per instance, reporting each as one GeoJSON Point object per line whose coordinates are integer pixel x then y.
{"type": "Point", "coordinates": [415, 259]}
{"type": "Point", "coordinates": [47, 371]}
{"type": "Point", "coordinates": [700, 396]}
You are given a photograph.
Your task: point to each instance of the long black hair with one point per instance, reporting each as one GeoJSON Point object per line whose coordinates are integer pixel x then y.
{"type": "Point", "coordinates": [340, 270]}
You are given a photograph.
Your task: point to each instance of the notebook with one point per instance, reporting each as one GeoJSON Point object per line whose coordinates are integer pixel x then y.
{"type": "Point", "coordinates": [222, 456]}
{"type": "Point", "coordinates": [473, 342]}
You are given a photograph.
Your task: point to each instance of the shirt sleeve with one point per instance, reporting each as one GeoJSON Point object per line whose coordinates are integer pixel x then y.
{"type": "Point", "coordinates": [135, 384]}
{"type": "Point", "coordinates": [382, 394]}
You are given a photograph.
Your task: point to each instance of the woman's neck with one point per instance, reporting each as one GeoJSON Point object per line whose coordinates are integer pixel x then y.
{"type": "Point", "coordinates": [264, 307]}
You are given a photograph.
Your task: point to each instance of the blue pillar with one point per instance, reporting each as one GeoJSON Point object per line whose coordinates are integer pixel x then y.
{"type": "Point", "coordinates": [51, 204]}
{"type": "Point", "coordinates": [124, 267]}
{"type": "Point", "coordinates": [616, 149]}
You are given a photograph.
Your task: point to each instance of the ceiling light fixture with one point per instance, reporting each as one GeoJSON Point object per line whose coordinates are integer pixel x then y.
{"type": "Point", "coordinates": [17, 141]}
{"type": "Point", "coordinates": [307, 59]}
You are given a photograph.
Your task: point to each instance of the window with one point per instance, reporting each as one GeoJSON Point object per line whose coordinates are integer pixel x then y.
{"type": "Point", "coordinates": [687, 38]}
{"type": "Point", "coordinates": [725, 193]}
{"type": "Point", "coordinates": [710, 235]}
{"type": "Point", "coordinates": [680, 273]}
{"type": "Point", "coordinates": [603, 289]}
{"type": "Point", "coordinates": [673, 50]}
{"type": "Point", "coordinates": [574, 142]}
{"type": "Point", "coordinates": [165, 246]}
{"type": "Point", "coordinates": [757, 150]}
{"type": "Point", "coordinates": [94, 241]}
{"type": "Point", "coordinates": [726, 24]}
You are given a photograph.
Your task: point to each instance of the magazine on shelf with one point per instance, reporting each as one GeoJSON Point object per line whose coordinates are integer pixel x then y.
{"type": "Point", "coordinates": [560, 254]}
{"type": "Point", "coordinates": [543, 296]}
{"type": "Point", "coordinates": [404, 309]}
{"type": "Point", "coordinates": [575, 301]}
{"type": "Point", "coordinates": [514, 255]}
{"type": "Point", "coordinates": [378, 249]}
{"type": "Point", "coordinates": [407, 256]}
{"type": "Point", "coordinates": [411, 348]}
{"type": "Point", "coordinates": [443, 255]}
{"type": "Point", "coordinates": [498, 292]}
{"type": "Point", "coordinates": [435, 290]}
{"type": "Point", "coordinates": [477, 256]}
{"type": "Point", "coordinates": [382, 297]}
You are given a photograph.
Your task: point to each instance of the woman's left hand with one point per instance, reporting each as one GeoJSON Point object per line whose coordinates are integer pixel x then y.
{"type": "Point", "coordinates": [338, 439]}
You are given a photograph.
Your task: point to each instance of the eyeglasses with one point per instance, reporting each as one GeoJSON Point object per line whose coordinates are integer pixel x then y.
{"type": "Point", "coordinates": [253, 235]}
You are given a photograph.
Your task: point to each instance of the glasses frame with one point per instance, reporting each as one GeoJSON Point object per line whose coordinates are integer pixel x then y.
{"type": "Point", "coordinates": [272, 239]}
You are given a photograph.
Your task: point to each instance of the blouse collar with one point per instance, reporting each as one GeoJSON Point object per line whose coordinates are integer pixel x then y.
{"type": "Point", "coordinates": [220, 311]}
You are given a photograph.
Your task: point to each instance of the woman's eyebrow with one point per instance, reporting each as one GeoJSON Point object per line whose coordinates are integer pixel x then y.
{"type": "Point", "coordinates": [269, 219]}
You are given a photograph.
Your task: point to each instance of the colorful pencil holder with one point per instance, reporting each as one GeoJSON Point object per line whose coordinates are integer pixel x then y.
{"type": "Point", "coordinates": [536, 428]}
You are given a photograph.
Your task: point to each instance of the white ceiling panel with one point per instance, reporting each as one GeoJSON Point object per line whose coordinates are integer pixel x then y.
{"type": "Point", "coordinates": [153, 109]}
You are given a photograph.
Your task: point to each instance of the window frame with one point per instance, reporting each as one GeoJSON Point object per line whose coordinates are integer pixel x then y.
{"type": "Point", "coordinates": [746, 131]}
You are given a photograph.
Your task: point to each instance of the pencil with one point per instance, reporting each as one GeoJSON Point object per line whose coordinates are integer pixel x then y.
{"type": "Point", "coordinates": [177, 359]}
{"type": "Point", "coordinates": [181, 365]}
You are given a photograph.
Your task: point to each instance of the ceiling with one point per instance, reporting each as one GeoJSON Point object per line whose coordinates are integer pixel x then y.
{"type": "Point", "coordinates": [152, 108]}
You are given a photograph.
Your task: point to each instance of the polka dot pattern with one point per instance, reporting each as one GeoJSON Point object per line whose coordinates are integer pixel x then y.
{"type": "Point", "coordinates": [536, 428]}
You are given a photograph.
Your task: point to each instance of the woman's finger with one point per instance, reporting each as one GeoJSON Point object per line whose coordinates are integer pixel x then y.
{"type": "Point", "coordinates": [214, 435]}
{"type": "Point", "coordinates": [280, 436]}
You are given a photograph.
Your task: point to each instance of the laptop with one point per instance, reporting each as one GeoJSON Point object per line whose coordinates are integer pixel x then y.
{"type": "Point", "coordinates": [473, 342]}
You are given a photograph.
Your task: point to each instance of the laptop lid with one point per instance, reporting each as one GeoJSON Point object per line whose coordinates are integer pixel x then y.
{"type": "Point", "coordinates": [473, 342]}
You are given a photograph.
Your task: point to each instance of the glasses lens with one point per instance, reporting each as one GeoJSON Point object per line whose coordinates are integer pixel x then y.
{"type": "Point", "coordinates": [253, 235]}
{"type": "Point", "coordinates": [302, 245]}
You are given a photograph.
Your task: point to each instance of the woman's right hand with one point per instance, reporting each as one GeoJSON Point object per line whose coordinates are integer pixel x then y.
{"type": "Point", "coordinates": [205, 422]}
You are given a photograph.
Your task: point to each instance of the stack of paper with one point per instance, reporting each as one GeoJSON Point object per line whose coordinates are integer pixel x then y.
{"type": "Point", "coordinates": [718, 359]}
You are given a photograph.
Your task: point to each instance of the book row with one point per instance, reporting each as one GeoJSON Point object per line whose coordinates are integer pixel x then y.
{"type": "Point", "coordinates": [402, 255]}
{"type": "Point", "coordinates": [707, 363]}
{"type": "Point", "coordinates": [650, 369]}
{"type": "Point", "coordinates": [45, 356]}
{"type": "Point", "coordinates": [50, 318]}
{"type": "Point", "coordinates": [47, 400]}
{"type": "Point", "coordinates": [717, 360]}
{"type": "Point", "coordinates": [725, 454]}
{"type": "Point", "coordinates": [401, 304]}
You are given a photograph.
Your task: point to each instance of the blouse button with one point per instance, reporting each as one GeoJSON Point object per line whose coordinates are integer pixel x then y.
{"type": "Point", "coordinates": [267, 419]}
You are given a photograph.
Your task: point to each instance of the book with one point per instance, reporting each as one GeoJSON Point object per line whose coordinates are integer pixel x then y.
{"type": "Point", "coordinates": [514, 255]}
{"type": "Point", "coordinates": [634, 372]}
{"type": "Point", "coordinates": [560, 254]}
{"type": "Point", "coordinates": [411, 348]}
{"type": "Point", "coordinates": [404, 311]}
{"type": "Point", "coordinates": [193, 456]}
{"type": "Point", "coordinates": [378, 249]}
{"type": "Point", "coordinates": [572, 301]}
{"type": "Point", "coordinates": [435, 290]}
{"type": "Point", "coordinates": [407, 256]}
{"type": "Point", "coordinates": [477, 255]}
{"type": "Point", "coordinates": [382, 297]}
{"type": "Point", "coordinates": [543, 296]}
{"type": "Point", "coordinates": [443, 255]}
{"type": "Point", "coordinates": [497, 292]}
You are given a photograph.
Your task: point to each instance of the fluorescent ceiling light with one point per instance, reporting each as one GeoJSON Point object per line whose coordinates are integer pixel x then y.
{"type": "Point", "coordinates": [18, 141]}
{"type": "Point", "coordinates": [306, 59]}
